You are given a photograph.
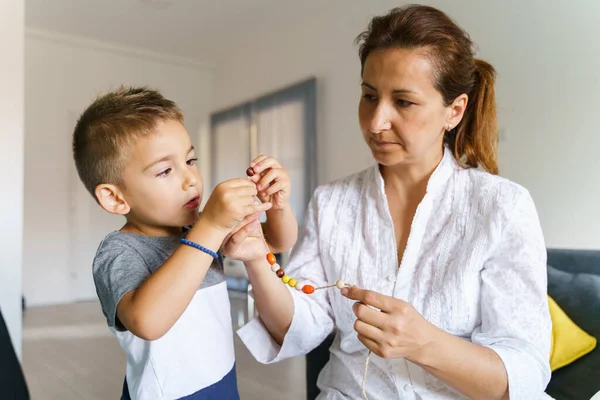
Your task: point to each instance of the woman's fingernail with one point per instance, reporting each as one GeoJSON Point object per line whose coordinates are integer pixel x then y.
{"type": "Point", "coordinates": [344, 291]}
{"type": "Point", "coordinates": [258, 187]}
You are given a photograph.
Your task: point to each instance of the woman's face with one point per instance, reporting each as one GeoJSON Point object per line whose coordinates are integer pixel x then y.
{"type": "Point", "coordinates": [402, 116]}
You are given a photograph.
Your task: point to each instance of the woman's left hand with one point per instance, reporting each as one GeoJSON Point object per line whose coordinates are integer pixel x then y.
{"type": "Point", "coordinates": [395, 330]}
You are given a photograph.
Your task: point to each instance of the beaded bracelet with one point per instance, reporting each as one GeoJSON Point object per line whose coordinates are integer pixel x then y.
{"type": "Point", "coordinates": [199, 247]}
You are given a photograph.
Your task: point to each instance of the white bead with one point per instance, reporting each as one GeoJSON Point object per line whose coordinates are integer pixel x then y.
{"type": "Point", "coordinates": [299, 287]}
{"type": "Point", "coordinates": [275, 267]}
{"type": "Point", "coordinates": [340, 284]}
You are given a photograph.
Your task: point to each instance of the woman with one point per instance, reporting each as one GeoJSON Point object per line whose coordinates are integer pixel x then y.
{"type": "Point", "coordinates": [448, 259]}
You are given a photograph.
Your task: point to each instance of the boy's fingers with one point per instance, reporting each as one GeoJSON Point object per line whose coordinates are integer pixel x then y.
{"type": "Point", "coordinates": [243, 191]}
{"type": "Point", "coordinates": [237, 183]}
{"type": "Point", "coordinates": [249, 220]}
{"type": "Point", "coordinates": [257, 208]}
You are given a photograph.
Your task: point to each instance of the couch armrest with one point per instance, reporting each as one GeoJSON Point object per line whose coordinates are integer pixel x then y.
{"type": "Point", "coordinates": [575, 261]}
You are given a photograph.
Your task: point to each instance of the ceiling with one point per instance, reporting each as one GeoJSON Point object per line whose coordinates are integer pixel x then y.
{"type": "Point", "coordinates": [195, 29]}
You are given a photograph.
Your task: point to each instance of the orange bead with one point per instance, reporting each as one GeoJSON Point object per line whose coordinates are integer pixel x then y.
{"type": "Point", "coordinates": [308, 289]}
{"type": "Point", "coordinates": [271, 258]}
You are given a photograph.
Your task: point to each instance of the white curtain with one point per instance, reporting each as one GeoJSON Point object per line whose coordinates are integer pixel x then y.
{"type": "Point", "coordinates": [280, 133]}
{"type": "Point", "coordinates": [231, 147]}
{"type": "Point", "coordinates": [281, 125]}
{"type": "Point", "coordinates": [231, 157]}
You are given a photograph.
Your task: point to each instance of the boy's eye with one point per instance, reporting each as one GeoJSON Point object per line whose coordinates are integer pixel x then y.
{"type": "Point", "coordinates": [164, 173]}
{"type": "Point", "coordinates": [192, 161]}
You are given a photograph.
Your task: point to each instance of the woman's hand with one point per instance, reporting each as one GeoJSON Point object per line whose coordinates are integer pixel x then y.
{"type": "Point", "coordinates": [396, 329]}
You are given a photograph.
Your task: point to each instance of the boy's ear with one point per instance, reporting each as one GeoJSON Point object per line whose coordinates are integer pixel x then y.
{"type": "Point", "coordinates": [111, 198]}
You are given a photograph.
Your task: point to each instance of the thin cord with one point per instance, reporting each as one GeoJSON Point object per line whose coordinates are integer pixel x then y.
{"type": "Point", "coordinates": [325, 287]}
{"type": "Point", "coordinates": [365, 376]}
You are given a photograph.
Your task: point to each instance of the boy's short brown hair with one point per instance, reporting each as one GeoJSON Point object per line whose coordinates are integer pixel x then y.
{"type": "Point", "coordinates": [107, 128]}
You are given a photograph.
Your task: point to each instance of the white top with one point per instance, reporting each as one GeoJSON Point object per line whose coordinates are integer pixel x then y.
{"type": "Point", "coordinates": [474, 265]}
{"type": "Point", "coordinates": [195, 357]}
{"type": "Point", "coordinates": [195, 354]}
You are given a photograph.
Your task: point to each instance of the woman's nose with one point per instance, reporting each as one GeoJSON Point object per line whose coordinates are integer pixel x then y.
{"type": "Point", "coordinates": [381, 119]}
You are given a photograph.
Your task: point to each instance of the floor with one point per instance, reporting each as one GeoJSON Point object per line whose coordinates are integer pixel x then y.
{"type": "Point", "coordinates": [68, 353]}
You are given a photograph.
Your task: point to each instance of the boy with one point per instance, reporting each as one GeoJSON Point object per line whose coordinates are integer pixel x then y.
{"type": "Point", "coordinates": [159, 278]}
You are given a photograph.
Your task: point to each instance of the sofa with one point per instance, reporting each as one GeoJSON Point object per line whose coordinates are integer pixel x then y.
{"type": "Point", "coordinates": [574, 283]}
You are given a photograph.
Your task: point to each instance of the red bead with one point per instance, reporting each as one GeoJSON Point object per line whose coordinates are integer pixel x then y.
{"type": "Point", "coordinates": [308, 289]}
{"type": "Point", "coordinates": [280, 273]}
{"type": "Point", "coordinates": [271, 258]}
{"type": "Point", "coordinates": [250, 172]}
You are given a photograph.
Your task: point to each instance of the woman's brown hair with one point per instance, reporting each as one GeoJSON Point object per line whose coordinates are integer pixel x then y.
{"type": "Point", "coordinates": [474, 140]}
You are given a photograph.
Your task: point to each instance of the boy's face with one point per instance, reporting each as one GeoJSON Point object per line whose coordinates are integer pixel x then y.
{"type": "Point", "coordinates": [162, 184]}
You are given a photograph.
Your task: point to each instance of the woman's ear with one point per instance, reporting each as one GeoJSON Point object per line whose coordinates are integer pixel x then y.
{"type": "Point", "coordinates": [457, 110]}
{"type": "Point", "coordinates": [111, 198]}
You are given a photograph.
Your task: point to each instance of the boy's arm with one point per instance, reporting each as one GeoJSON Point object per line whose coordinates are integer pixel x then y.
{"type": "Point", "coordinates": [281, 229]}
{"type": "Point", "coordinates": [151, 310]}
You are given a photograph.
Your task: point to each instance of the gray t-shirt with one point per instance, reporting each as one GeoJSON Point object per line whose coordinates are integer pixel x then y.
{"type": "Point", "coordinates": [124, 260]}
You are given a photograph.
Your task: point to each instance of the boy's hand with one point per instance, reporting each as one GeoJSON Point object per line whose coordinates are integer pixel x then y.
{"type": "Point", "coordinates": [230, 202]}
{"type": "Point", "coordinates": [245, 242]}
{"type": "Point", "coordinates": [272, 181]}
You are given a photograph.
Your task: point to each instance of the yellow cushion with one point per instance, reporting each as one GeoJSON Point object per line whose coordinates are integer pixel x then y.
{"type": "Point", "coordinates": [569, 342]}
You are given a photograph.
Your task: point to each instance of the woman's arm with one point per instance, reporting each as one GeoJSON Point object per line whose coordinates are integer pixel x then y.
{"type": "Point", "coordinates": [399, 331]}
{"type": "Point", "coordinates": [474, 370]}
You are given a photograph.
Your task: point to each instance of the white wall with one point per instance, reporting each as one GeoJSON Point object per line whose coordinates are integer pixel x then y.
{"type": "Point", "coordinates": [62, 76]}
{"type": "Point", "coordinates": [12, 22]}
{"type": "Point", "coordinates": [547, 57]}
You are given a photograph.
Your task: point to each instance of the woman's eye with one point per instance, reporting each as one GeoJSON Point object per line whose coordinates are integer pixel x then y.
{"type": "Point", "coordinates": [369, 97]}
{"type": "Point", "coordinates": [404, 103]}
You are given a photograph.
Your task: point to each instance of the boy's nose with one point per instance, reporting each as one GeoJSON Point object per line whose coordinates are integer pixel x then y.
{"type": "Point", "coordinates": [189, 181]}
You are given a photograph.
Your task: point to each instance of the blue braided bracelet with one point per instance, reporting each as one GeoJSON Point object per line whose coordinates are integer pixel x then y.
{"type": "Point", "coordinates": [201, 248]}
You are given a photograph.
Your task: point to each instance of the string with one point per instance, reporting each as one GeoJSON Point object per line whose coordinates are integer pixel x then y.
{"type": "Point", "coordinates": [364, 393]}
{"type": "Point", "coordinates": [326, 287]}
